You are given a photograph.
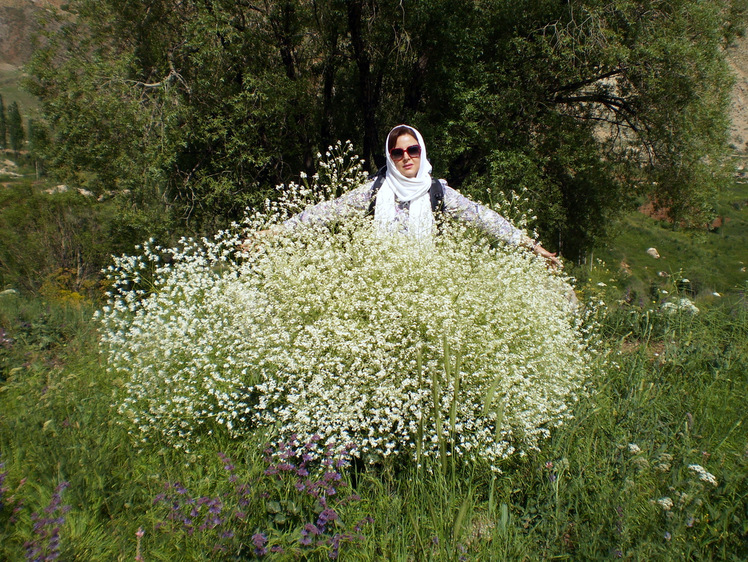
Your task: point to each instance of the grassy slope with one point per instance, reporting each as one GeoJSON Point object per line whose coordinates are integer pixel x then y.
{"type": "Point", "coordinates": [676, 388]}
{"type": "Point", "coordinates": [11, 90]}
{"type": "Point", "coordinates": [713, 261]}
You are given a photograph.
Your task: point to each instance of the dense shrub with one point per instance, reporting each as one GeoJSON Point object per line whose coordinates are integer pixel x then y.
{"type": "Point", "coordinates": [57, 243]}
{"type": "Point", "coordinates": [406, 348]}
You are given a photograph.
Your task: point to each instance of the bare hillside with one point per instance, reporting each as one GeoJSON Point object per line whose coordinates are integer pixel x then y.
{"type": "Point", "coordinates": [17, 25]}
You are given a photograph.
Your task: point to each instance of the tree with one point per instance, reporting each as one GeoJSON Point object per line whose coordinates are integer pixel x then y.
{"type": "Point", "coordinates": [16, 133]}
{"type": "Point", "coordinates": [38, 144]}
{"type": "Point", "coordinates": [142, 99]}
{"type": "Point", "coordinates": [199, 108]}
{"type": "Point", "coordinates": [591, 103]}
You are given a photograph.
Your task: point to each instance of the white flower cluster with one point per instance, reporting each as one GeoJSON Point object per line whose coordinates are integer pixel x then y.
{"type": "Point", "coordinates": [634, 449]}
{"type": "Point", "coordinates": [445, 347]}
{"type": "Point", "coordinates": [168, 328]}
{"type": "Point", "coordinates": [354, 338]}
{"type": "Point", "coordinates": [514, 207]}
{"type": "Point", "coordinates": [681, 305]}
{"type": "Point", "coordinates": [703, 474]}
{"type": "Point", "coordinates": [665, 503]}
{"type": "Point", "coordinates": [340, 170]}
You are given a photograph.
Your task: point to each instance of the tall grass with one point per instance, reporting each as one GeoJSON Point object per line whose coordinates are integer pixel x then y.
{"type": "Point", "coordinates": [616, 481]}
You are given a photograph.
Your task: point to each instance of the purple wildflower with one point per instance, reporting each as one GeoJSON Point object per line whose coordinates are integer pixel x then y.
{"type": "Point", "coordinates": [310, 528]}
{"type": "Point", "coordinates": [260, 540]}
{"type": "Point", "coordinates": [368, 520]}
{"type": "Point", "coordinates": [227, 465]}
{"type": "Point", "coordinates": [326, 516]}
{"type": "Point", "coordinates": [46, 544]}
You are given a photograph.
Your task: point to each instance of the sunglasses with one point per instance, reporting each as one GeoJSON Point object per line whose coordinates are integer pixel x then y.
{"type": "Point", "coordinates": [414, 151]}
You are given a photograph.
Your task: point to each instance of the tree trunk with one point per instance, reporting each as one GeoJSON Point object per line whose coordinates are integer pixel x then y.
{"type": "Point", "coordinates": [368, 89]}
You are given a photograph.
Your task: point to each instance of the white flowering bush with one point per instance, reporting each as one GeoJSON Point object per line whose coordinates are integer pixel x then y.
{"type": "Point", "coordinates": [410, 350]}
{"type": "Point", "coordinates": [680, 305]}
{"type": "Point", "coordinates": [340, 170]}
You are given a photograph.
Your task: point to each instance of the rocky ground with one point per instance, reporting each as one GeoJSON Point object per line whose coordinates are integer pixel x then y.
{"type": "Point", "coordinates": [738, 58]}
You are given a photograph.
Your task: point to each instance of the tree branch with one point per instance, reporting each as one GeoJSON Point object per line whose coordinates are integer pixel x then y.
{"type": "Point", "coordinates": [166, 81]}
{"type": "Point", "coordinates": [582, 83]}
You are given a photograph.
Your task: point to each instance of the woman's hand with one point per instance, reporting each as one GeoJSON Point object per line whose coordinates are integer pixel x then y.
{"type": "Point", "coordinates": [553, 261]}
{"type": "Point", "coordinates": [255, 239]}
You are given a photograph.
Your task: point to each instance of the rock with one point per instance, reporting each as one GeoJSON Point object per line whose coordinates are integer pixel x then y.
{"type": "Point", "coordinates": [62, 188]}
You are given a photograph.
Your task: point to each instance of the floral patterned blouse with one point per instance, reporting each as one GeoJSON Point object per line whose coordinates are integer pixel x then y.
{"type": "Point", "coordinates": [455, 206]}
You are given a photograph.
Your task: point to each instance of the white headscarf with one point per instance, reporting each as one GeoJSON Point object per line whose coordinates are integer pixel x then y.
{"type": "Point", "coordinates": [415, 190]}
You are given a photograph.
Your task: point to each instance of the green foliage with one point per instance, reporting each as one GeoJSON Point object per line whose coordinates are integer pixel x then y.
{"type": "Point", "coordinates": [3, 124]}
{"type": "Point", "coordinates": [16, 132]}
{"type": "Point", "coordinates": [37, 336]}
{"type": "Point", "coordinates": [58, 242]}
{"type": "Point", "coordinates": [598, 96]}
{"type": "Point", "coordinates": [675, 388]}
{"type": "Point", "coordinates": [196, 109]}
{"type": "Point", "coordinates": [184, 121]}
{"type": "Point", "coordinates": [37, 135]}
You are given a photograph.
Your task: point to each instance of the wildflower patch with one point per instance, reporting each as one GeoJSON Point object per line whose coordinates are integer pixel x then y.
{"type": "Point", "coordinates": [443, 347]}
{"type": "Point", "coordinates": [398, 348]}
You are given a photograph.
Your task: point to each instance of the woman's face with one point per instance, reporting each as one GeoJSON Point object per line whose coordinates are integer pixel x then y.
{"type": "Point", "coordinates": [407, 166]}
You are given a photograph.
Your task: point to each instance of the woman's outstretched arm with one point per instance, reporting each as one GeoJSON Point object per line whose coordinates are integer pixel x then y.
{"type": "Point", "coordinates": [460, 207]}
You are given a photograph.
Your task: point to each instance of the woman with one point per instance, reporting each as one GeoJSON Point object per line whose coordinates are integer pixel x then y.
{"type": "Point", "coordinates": [404, 200]}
